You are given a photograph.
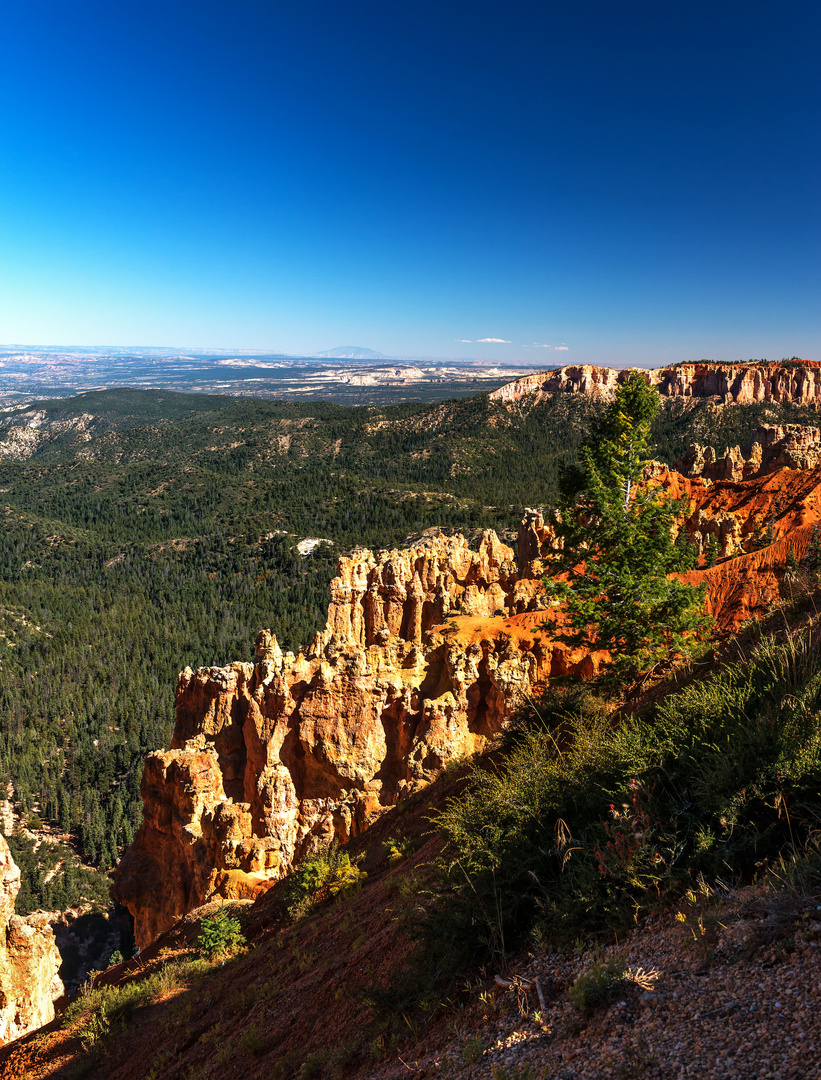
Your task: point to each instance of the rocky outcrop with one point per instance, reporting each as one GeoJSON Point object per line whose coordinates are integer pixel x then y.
{"type": "Point", "coordinates": [795, 381]}
{"type": "Point", "coordinates": [29, 960]}
{"type": "Point", "coordinates": [790, 446]}
{"type": "Point", "coordinates": [599, 383]}
{"type": "Point", "coordinates": [425, 652]}
{"type": "Point", "coordinates": [22, 434]}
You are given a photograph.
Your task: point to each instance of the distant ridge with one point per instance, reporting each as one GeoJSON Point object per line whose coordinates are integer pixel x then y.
{"type": "Point", "coordinates": [793, 381]}
{"type": "Point", "coordinates": [351, 352]}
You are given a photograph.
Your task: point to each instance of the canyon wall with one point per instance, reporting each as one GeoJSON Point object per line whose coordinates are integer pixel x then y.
{"type": "Point", "coordinates": [425, 653]}
{"type": "Point", "coordinates": [29, 960]}
{"type": "Point", "coordinates": [796, 381]}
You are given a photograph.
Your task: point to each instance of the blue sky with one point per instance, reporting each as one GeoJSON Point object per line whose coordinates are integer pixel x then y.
{"type": "Point", "coordinates": [584, 180]}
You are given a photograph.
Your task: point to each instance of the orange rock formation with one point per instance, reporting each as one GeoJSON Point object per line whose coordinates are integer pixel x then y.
{"type": "Point", "coordinates": [425, 653]}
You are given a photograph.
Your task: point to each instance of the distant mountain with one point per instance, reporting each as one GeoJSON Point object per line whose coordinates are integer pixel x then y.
{"type": "Point", "coordinates": [351, 352]}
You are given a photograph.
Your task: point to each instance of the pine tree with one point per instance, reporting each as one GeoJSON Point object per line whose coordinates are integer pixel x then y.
{"type": "Point", "coordinates": [791, 566]}
{"type": "Point", "coordinates": [711, 551]}
{"type": "Point", "coordinates": [612, 573]}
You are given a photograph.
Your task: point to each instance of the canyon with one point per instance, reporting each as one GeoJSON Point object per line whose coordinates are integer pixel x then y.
{"type": "Point", "coordinates": [426, 652]}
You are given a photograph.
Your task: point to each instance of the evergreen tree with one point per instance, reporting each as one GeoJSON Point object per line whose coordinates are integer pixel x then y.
{"type": "Point", "coordinates": [791, 567]}
{"type": "Point", "coordinates": [711, 552]}
{"type": "Point", "coordinates": [612, 573]}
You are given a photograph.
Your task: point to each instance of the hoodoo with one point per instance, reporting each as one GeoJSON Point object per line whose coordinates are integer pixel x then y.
{"type": "Point", "coordinates": [424, 652]}
{"type": "Point", "coordinates": [29, 960]}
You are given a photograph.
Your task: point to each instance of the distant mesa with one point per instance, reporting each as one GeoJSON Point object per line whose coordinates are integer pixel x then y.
{"type": "Point", "coordinates": [351, 352]}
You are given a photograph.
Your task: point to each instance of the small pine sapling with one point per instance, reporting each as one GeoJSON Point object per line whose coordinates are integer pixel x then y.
{"type": "Point", "coordinates": [220, 936]}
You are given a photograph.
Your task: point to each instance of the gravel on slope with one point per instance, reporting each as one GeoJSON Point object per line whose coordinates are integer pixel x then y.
{"type": "Point", "coordinates": [740, 1000]}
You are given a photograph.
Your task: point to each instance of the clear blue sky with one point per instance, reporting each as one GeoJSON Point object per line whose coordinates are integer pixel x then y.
{"type": "Point", "coordinates": [636, 180]}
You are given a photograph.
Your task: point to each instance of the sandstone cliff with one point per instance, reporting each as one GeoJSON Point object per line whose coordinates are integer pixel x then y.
{"type": "Point", "coordinates": [797, 381]}
{"type": "Point", "coordinates": [425, 652]}
{"type": "Point", "coordinates": [29, 960]}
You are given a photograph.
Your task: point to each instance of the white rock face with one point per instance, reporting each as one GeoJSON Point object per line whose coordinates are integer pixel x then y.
{"type": "Point", "coordinates": [29, 960]}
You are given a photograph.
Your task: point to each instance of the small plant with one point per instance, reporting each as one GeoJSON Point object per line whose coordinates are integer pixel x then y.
{"type": "Point", "coordinates": [328, 873]}
{"type": "Point", "coordinates": [313, 1065]}
{"type": "Point", "coordinates": [251, 1039]}
{"type": "Point", "coordinates": [629, 854]}
{"type": "Point", "coordinates": [286, 1067]}
{"type": "Point", "coordinates": [96, 1027]}
{"type": "Point", "coordinates": [456, 763]}
{"type": "Point", "coordinates": [597, 985]}
{"type": "Point", "coordinates": [644, 979]}
{"type": "Point", "coordinates": [638, 1058]}
{"type": "Point", "coordinates": [473, 1050]}
{"type": "Point", "coordinates": [220, 936]}
{"type": "Point", "coordinates": [396, 850]}
{"type": "Point", "coordinates": [382, 1045]}
{"type": "Point", "coordinates": [515, 1072]}
{"type": "Point", "coordinates": [702, 920]}
{"type": "Point", "coordinates": [115, 958]}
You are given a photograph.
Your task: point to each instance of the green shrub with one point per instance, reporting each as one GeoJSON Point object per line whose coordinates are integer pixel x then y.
{"type": "Point", "coordinates": [325, 874]}
{"type": "Point", "coordinates": [313, 1065]}
{"type": "Point", "coordinates": [220, 936]}
{"type": "Point", "coordinates": [597, 985]}
{"type": "Point", "coordinates": [473, 1050]}
{"type": "Point", "coordinates": [515, 1072]}
{"type": "Point", "coordinates": [398, 849]}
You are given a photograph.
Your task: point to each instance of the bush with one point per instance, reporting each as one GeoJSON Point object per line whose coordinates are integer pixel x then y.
{"type": "Point", "coordinates": [598, 985]}
{"type": "Point", "coordinates": [99, 1010]}
{"type": "Point", "coordinates": [220, 936]}
{"type": "Point", "coordinates": [585, 823]}
{"type": "Point", "coordinates": [326, 874]}
{"type": "Point", "coordinates": [397, 849]}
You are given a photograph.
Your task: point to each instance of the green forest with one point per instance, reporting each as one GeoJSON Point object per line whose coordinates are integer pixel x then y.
{"type": "Point", "coordinates": [162, 533]}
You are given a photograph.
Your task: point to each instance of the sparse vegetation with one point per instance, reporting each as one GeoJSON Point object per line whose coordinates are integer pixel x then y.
{"type": "Point", "coordinates": [588, 821]}
{"type": "Point", "coordinates": [598, 985]}
{"type": "Point", "coordinates": [98, 1011]}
